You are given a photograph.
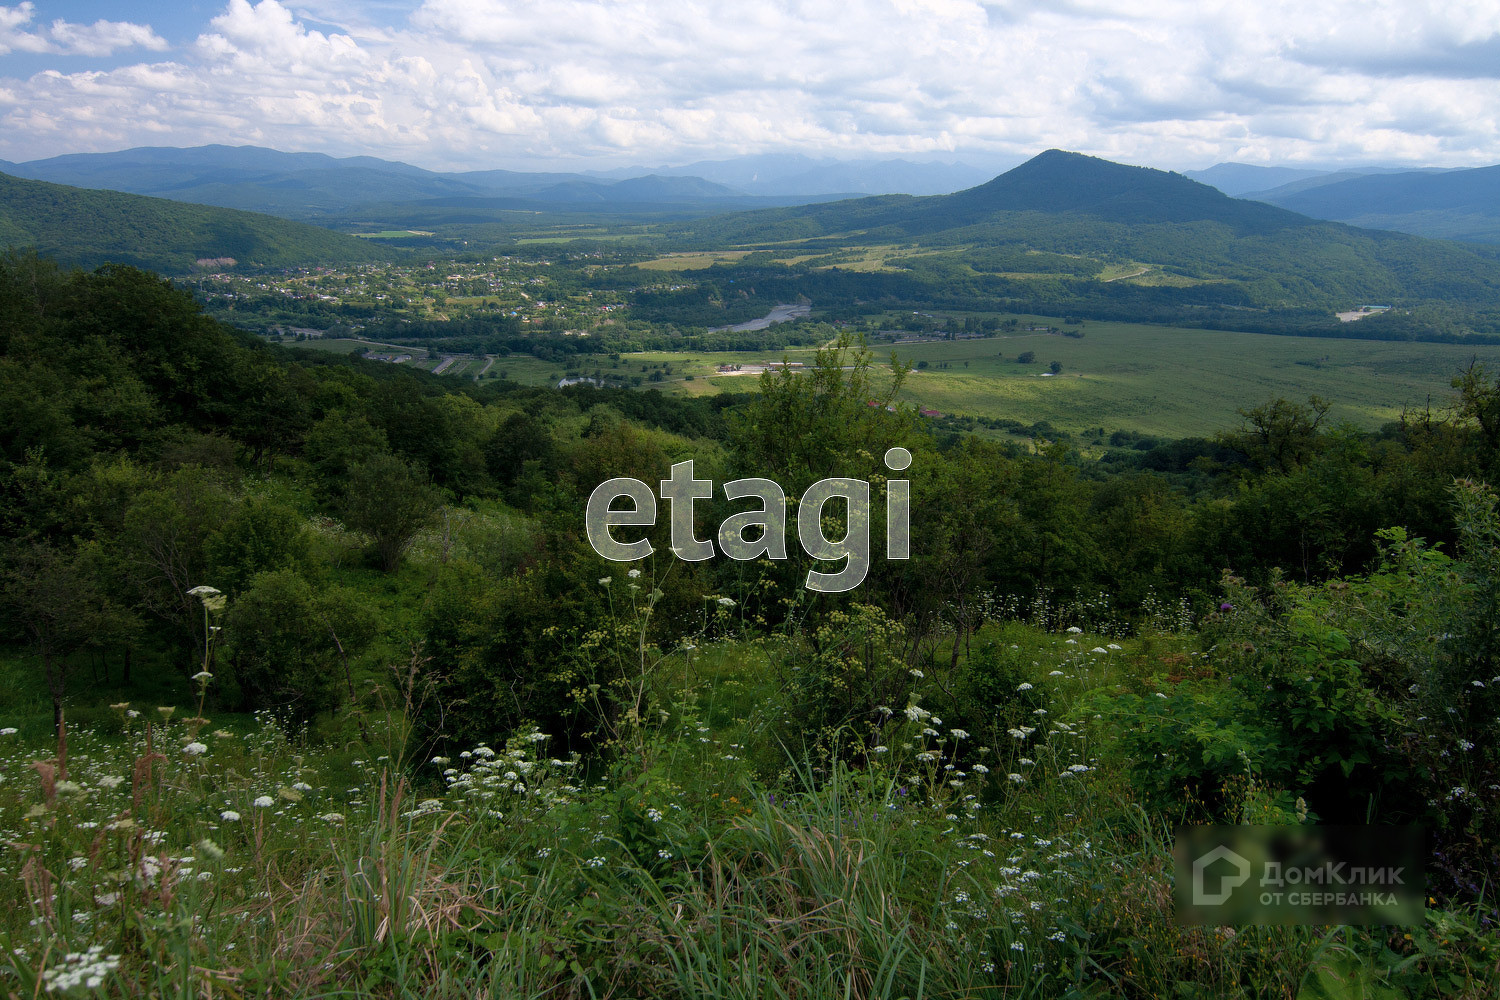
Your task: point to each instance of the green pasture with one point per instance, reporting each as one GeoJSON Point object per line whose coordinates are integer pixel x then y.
{"type": "Point", "coordinates": [1176, 382]}
{"type": "Point", "coordinates": [1152, 379]}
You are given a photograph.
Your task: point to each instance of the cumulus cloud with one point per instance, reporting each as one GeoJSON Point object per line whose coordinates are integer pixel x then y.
{"type": "Point", "coordinates": [101, 38]}
{"type": "Point", "coordinates": [541, 82]}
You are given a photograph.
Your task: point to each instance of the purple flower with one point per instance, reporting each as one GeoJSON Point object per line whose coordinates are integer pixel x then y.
{"type": "Point", "coordinates": [1226, 606]}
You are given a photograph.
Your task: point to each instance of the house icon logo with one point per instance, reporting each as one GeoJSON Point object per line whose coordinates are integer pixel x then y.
{"type": "Point", "coordinates": [1227, 883]}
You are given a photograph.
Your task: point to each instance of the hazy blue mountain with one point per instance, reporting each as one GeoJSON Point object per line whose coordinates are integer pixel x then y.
{"type": "Point", "coordinates": [653, 188]}
{"type": "Point", "coordinates": [1454, 204]}
{"type": "Point", "coordinates": [1236, 179]}
{"type": "Point", "coordinates": [315, 186]}
{"type": "Point", "coordinates": [792, 174]}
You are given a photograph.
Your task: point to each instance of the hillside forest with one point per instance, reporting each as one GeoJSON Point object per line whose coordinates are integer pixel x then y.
{"type": "Point", "coordinates": [313, 685]}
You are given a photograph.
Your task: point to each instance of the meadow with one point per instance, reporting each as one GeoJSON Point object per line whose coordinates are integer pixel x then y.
{"type": "Point", "coordinates": [163, 853]}
{"type": "Point", "coordinates": [1155, 380]}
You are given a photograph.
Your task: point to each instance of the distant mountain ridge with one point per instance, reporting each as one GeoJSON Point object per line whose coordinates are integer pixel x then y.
{"type": "Point", "coordinates": [1236, 179]}
{"type": "Point", "coordinates": [315, 186]}
{"type": "Point", "coordinates": [1454, 204]}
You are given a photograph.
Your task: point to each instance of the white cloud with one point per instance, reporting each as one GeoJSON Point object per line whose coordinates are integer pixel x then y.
{"type": "Point", "coordinates": [101, 38]}
{"type": "Point", "coordinates": [537, 82]}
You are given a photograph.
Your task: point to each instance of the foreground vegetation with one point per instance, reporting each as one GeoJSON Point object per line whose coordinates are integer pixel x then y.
{"type": "Point", "coordinates": [313, 685]}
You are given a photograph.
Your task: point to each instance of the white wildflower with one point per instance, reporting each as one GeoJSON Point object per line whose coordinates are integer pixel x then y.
{"type": "Point", "coordinates": [195, 749]}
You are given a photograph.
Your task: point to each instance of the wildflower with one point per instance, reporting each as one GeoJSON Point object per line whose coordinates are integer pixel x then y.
{"type": "Point", "coordinates": [1075, 630]}
{"type": "Point", "coordinates": [1478, 684]}
{"type": "Point", "coordinates": [111, 781]}
{"type": "Point", "coordinates": [633, 574]}
{"type": "Point", "coordinates": [1055, 673]}
{"type": "Point", "coordinates": [302, 786]}
{"type": "Point", "coordinates": [1018, 946]}
{"type": "Point", "coordinates": [332, 817]}
{"type": "Point", "coordinates": [8, 731]}
{"type": "Point", "coordinates": [882, 750]}
{"type": "Point", "coordinates": [596, 861]}
{"type": "Point", "coordinates": [204, 676]}
{"type": "Point", "coordinates": [726, 602]}
{"type": "Point", "coordinates": [605, 581]}
{"type": "Point", "coordinates": [85, 968]}
{"type": "Point", "coordinates": [1099, 649]}
{"type": "Point", "coordinates": [166, 711]}
{"type": "Point", "coordinates": [914, 713]}
{"type": "Point", "coordinates": [1017, 778]}
{"type": "Point", "coordinates": [209, 850]}
{"type": "Point", "coordinates": [263, 802]}
{"type": "Point", "coordinates": [1027, 762]}
{"type": "Point", "coordinates": [664, 854]}
{"type": "Point", "coordinates": [1114, 647]}
{"type": "Point", "coordinates": [195, 749]}
{"type": "Point", "coordinates": [958, 734]}
{"type": "Point", "coordinates": [981, 769]}
{"type": "Point", "coordinates": [1024, 686]}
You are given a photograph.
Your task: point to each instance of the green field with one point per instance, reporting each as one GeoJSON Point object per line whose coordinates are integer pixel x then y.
{"type": "Point", "coordinates": [1156, 380]}
{"type": "Point", "coordinates": [1161, 380]}
{"type": "Point", "coordinates": [344, 345]}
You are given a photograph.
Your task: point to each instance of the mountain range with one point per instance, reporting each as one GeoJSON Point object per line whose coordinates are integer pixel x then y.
{"type": "Point", "coordinates": [1450, 204]}
{"type": "Point", "coordinates": [315, 186]}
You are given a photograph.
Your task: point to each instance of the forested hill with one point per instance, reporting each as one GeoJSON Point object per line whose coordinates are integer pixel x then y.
{"type": "Point", "coordinates": [1190, 235]}
{"type": "Point", "coordinates": [1456, 204]}
{"type": "Point", "coordinates": [88, 228]}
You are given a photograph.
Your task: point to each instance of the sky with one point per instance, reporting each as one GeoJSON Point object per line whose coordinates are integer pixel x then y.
{"type": "Point", "coordinates": [573, 84]}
